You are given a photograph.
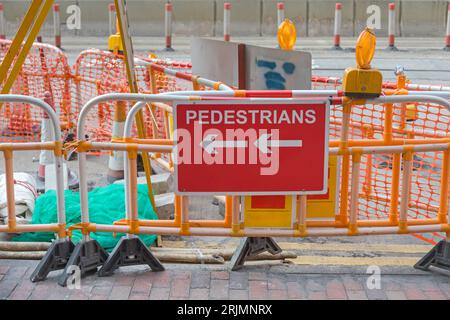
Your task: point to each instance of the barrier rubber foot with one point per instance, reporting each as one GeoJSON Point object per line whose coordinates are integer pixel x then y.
{"type": "Point", "coordinates": [55, 258]}
{"type": "Point", "coordinates": [87, 256]}
{"type": "Point", "coordinates": [251, 247]}
{"type": "Point", "coordinates": [447, 49]}
{"type": "Point", "coordinates": [438, 259]}
{"type": "Point", "coordinates": [337, 48]}
{"type": "Point", "coordinates": [129, 251]}
{"type": "Point", "coordinates": [391, 48]}
{"type": "Point", "coordinates": [168, 49]}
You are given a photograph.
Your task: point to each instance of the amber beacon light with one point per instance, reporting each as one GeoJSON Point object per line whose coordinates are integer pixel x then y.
{"type": "Point", "coordinates": [363, 81]}
{"type": "Point", "coordinates": [287, 35]}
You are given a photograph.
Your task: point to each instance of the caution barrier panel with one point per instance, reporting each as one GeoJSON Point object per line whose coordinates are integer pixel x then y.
{"type": "Point", "coordinates": [362, 207]}
{"type": "Point", "coordinates": [97, 72]}
{"type": "Point", "coordinates": [62, 245]}
{"type": "Point", "coordinates": [406, 202]}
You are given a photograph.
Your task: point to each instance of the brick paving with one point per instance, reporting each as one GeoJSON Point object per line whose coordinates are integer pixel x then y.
{"type": "Point", "coordinates": [205, 283]}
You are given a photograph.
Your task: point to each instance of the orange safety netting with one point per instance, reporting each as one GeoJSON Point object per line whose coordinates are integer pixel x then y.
{"type": "Point", "coordinates": [410, 121]}
{"type": "Point", "coordinates": [98, 72]}
{"type": "Point", "coordinates": [45, 70]}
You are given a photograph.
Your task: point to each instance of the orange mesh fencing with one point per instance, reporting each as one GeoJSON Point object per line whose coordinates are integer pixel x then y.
{"type": "Point", "coordinates": [98, 72]}
{"type": "Point", "coordinates": [46, 69]}
{"type": "Point", "coordinates": [410, 121]}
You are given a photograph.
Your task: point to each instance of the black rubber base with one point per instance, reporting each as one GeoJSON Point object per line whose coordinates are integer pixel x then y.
{"type": "Point", "coordinates": [438, 259]}
{"type": "Point", "coordinates": [251, 247]}
{"type": "Point", "coordinates": [88, 256]}
{"type": "Point", "coordinates": [391, 48]}
{"type": "Point", "coordinates": [447, 49]}
{"type": "Point", "coordinates": [56, 258]}
{"type": "Point", "coordinates": [337, 48]}
{"type": "Point", "coordinates": [130, 251]}
{"type": "Point", "coordinates": [168, 49]}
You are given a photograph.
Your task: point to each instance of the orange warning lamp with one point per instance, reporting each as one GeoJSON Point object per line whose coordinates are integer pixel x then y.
{"type": "Point", "coordinates": [287, 35]}
{"type": "Point", "coordinates": [363, 81]}
{"type": "Point", "coordinates": [365, 48]}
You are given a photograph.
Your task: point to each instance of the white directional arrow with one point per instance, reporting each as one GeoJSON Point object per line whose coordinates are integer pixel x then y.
{"type": "Point", "coordinates": [210, 144]}
{"type": "Point", "coordinates": [263, 143]}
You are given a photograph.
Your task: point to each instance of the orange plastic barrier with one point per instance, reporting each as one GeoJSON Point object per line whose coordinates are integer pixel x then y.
{"type": "Point", "coordinates": [46, 69]}
{"type": "Point", "coordinates": [98, 72]}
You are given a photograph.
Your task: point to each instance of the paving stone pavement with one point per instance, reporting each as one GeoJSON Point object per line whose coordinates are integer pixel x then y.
{"type": "Point", "coordinates": [205, 282]}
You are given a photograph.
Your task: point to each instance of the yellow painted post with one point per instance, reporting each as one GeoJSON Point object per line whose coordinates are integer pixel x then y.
{"type": "Point", "coordinates": [18, 39]}
{"type": "Point", "coordinates": [26, 46]}
{"type": "Point", "coordinates": [132, 82]}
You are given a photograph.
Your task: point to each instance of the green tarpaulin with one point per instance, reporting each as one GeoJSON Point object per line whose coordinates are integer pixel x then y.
{"type": "Point", "coordinates": [106, 205]}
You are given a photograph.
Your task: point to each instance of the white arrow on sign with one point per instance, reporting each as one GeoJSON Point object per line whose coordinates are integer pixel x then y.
{"type": "Point", "coordinates": [210, 144]}
{"type": "Point", "coordinates": [263, 143]}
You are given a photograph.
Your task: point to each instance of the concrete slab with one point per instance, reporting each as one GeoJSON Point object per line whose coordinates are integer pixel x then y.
{"type": "Point", "coordinates": [321, 17]}
{"type": "Point", "coordinates": [245, 18]}
{"type": "Point", "coordinates": [165, 207]}
{"type": "Point", "coordinates": [161, 183]}
{"type": "Point", "coordinates": [362, 14]}
{"type": "Point", "coordinates": [193, 17]}
{"type": "Point", "coordinates": [423, 18]}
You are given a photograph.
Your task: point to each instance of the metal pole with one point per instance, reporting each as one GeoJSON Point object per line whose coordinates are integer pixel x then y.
{"type": "Point", "coordinates": [168, 26]}
{"type": "Point", "coordinates": [112, 18]}
{"type": "Point", "coordinates": [226, 21]}
{"type": "Point", "coordinates": [280, 13]}
{"type": "Point", "coordinates": [337, 26]}
{"type": "Point", "coordinates": [447, 37]}
{"type": "Point", "coordinates": [2, 23]}
{"type": "Point", "coordinates": [57, 25]}
{"type": "Point", "coordinates": [391, 27]}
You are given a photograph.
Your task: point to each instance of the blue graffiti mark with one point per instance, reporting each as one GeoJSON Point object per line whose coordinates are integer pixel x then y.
{"type": "Point", "coordinates": [289, 67]}
{"type": "Point", "coordinates": [275, 81]}
{"type": "Point", "coordinates": [266, 64]}
{"type": "Point", "coordinates": [270, 75]}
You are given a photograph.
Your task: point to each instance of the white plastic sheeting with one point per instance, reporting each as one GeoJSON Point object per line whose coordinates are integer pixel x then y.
{"type": "Point", "coordinates": [25, 197]}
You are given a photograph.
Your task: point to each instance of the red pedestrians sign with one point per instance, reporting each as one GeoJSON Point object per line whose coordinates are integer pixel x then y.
{"type": "Point", "coordinates": [243, 148]}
